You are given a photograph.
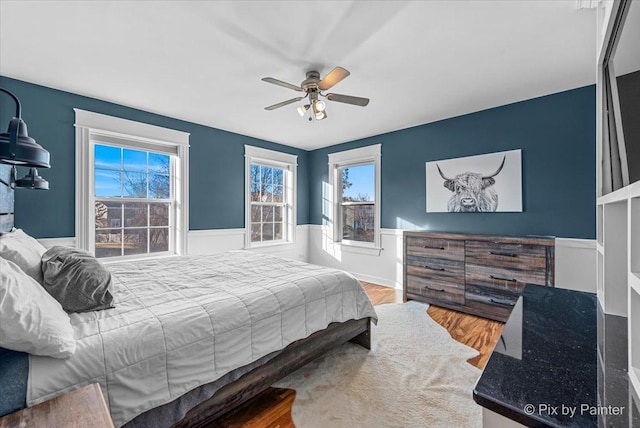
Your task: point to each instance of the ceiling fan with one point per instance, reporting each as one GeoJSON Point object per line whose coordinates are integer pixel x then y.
{"type": "Point", "coordinates": [312, 86]}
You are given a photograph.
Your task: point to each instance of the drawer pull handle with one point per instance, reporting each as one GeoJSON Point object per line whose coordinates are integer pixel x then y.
{"type": "Point", "coordinates": [432, 268]}
{"type": "Point", "coordinates": [495, 253]}
{"type": "Point", "coordinates": [497, 278]}
{"type": "Point", "coordinates": [502, 302]}
{"type": "Point", "coordinates": [433, 248]}
{"type": "Point", "coordinates": [435, 289]}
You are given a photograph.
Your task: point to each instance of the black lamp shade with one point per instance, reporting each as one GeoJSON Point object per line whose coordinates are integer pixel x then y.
{"type": "Point", "coordinates": [26, 152]}
{"type": "Point", "coordinates": [32, 181]}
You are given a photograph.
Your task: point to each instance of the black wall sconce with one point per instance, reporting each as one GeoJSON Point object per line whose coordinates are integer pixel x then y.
{"type": "Point", "coordinates": [18, 149]}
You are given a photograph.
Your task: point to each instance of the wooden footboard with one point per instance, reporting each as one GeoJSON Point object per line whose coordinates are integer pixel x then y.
{"type": "Point", "coordinates": [287, 361]}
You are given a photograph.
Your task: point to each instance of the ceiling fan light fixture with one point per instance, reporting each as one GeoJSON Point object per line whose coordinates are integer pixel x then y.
{"type": "Point", "coordinates": [302, 110]}
{"type": "Point", "coordinates": [319, 106]}
{"type": "Point", "coordinates": [321, 115]}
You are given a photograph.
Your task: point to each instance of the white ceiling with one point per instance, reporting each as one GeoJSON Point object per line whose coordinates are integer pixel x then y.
{"type": "Point", "coordinates": [201, 61]}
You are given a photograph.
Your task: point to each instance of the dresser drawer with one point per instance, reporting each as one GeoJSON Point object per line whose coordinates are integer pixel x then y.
{"type": "Point", "coordinates": [452, 270]}
{"type": "Point", "coordinates": [447, 249]}
{"type": "Point", "coordinates": [502, 278]}
{"type": "Point", "coordinates": [513, 256]}
{"type": "Point", "coordinates": [436, 289]}
{"type": "Point", "coordinates": [492, 302]}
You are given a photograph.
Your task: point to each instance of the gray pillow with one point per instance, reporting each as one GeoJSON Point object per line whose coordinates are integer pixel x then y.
{"type": "Point", "coordinates": [76, 279]}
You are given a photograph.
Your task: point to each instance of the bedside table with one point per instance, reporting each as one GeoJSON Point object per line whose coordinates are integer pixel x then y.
{"type": "Point", "coordinates": [84, 407]}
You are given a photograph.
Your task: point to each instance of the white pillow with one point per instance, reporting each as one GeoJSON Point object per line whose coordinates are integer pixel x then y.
{"type": "Point", "coordinates": [30, 319]}
{"type": "Point", "coordinates": [24, 251]}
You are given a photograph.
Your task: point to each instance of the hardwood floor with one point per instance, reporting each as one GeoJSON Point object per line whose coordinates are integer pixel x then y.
{"type": "Point", "coordinates": [479, 333]}
{"type": "Point", "coordinates": [272, 408]}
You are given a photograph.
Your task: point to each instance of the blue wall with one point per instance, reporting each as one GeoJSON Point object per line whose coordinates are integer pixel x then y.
{"type": "Point", "coordinates": [216, 175]}
{"type": "Point", "coordinates": [556, 134]}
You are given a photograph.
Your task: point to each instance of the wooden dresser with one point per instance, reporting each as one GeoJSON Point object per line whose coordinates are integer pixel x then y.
{"type": "Point", "coordinates": [478, 274]}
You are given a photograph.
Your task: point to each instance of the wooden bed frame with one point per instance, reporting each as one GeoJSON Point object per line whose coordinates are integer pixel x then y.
{"type": "Point", "coordinates": [234, 393]}
{"type": "Point", "coordinates": [287, 361]}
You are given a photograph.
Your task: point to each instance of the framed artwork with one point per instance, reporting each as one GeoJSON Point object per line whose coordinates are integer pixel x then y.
{"type": "Point", "coordinates": [483, 183]}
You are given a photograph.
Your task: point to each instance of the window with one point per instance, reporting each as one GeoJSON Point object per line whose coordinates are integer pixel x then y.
{"type": "Point", "coordinates": [132, 193]}
{"type": "Point", "coordinates": [357, 202]}
{"type": "Point", "coordinates": [355, 180]}
{"type": "Point", "coordinates": [131, 188]}
{"type": "Point", "coordinates": [270, 196]}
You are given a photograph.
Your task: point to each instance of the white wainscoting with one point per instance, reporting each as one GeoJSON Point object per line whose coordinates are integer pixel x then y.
{"type": "Point", "coordinates": [384, 268]}
{"type": "Point", "coordinates": [218, 240]}
{"type": "Point", "coordinates": [52, 242]}
{"type": "Point", "coordinates": [575, 259]}
{"type": "Point", "coordinates": [576, 264]}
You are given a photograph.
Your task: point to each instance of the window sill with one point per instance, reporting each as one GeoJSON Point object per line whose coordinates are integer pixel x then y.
{"type": "Point", "coordinates": [360, 249]}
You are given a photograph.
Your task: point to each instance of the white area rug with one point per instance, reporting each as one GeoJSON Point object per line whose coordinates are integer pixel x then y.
{"type": "Point", "coordinates": [415, 375]}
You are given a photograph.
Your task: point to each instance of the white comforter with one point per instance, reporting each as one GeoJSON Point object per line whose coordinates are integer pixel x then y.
{"type": "Point", "coordinates": [182, 322]}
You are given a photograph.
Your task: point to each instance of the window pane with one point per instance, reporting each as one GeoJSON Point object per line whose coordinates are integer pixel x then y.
{"type": "Point", "coordinates": [135, 241]}
{"type": "Point", "coordinates": [278, 195]}
{"type": "Point", "coordinates": [358, 183]}
{"type": "Point", "coordinates": [159, 186]}
{"type": "Point", "coordinates": [159, 240]}
{"type": "Point", "coordinates": [159, 214]}
{"type": "Point", "coordinates": [254, 183]}
{"type": "Point", "coordinates": [256, 213]}
{"type": "Point", "coordinates": [107, 184]}
{"type": "Point", "coordinates": [160, 164]}
{"type": "Point", "coordinates": [277, 213]}
{"type": "Point", "coordinates": [267, 231]}
{"type": "Point", "coordinates": [358, 222]}
{"type": "Point", "coordinates": [267, 214]}
{"type": "Point", "coordinates": [134, 160]}
{"type": "Point", "coordinates": [134, 185]}
{"type": "Point", "coordinates": [278, 177]}
{"type": "Point", "coordinates": [267, 193]}
{"type": "Point", "coordinates": [278, 230]}
{"type": "Point", "coordinates": [107, 157]}
{"type": "Point", "coordinates": [256, 230]}
{"type": "Point", "coordinates": [135, 214]}
{"type": "Point", "coordinates": [108, 243]}
{"type": "Point", "coordinates": [266, 175]}
{"type": "Point", "coordinates": [108, 214]}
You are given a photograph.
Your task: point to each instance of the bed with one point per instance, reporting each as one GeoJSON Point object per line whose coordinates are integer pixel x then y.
{"type": "Point", "coordinates": [193, 337]}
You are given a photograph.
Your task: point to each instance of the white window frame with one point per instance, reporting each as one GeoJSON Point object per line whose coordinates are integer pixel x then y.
{"type": "Point", "coordinates": [289, 163]}
{"type": "Point", "coordinates": [354, 157]}
{"type": "Point", "coordinates": [92, 126]}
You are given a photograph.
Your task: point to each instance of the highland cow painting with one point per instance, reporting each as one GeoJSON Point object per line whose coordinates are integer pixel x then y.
{"type": "Point", "coordinates": [482, 183]}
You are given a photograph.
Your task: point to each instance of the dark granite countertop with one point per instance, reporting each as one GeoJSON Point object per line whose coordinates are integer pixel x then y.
{"type": "Point", "coordinates": [543, 371]}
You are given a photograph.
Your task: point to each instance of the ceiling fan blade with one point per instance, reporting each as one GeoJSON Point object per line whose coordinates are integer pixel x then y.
{"type": "Point", "coordinates": [284, 103]}
{"type": "Point", "coordinates": [334, 77]}
{"type": "Point", "coordinates": [281, 83]}
{"type": "Point", "coordinates": [348, 99]}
